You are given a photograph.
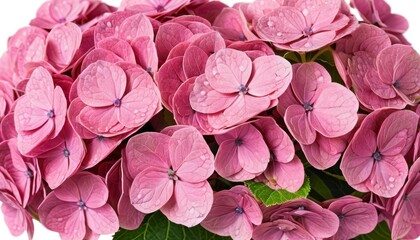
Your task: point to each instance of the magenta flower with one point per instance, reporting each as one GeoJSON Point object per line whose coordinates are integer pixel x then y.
{"type": "Point", "coordinates": [242, 155]}
{"type": "Point", "coordinates": [79, 207]}
{"type": "Point", "coordinates": [234, 213]}
{"type": "Point", "coordinates": [374, 160]}
{"type": "Point", "coordinates": [56, 12]}
{"type": "Point", "coordinates": [318, 105]}
{"type": "Point", "coordinates": [305, 25]}
{"type": "Point", "coordinates": [285, 170]}
{"type": "Point", "coordinates": [378, 12]}
{"type": "Point", "coordinates": [356, 217]}
{"type": "Point", "coordinates": [40, 113]}
{"type": "Point", "coordinates": [281, 229]}
{"type": "Point", "coordinates": [17, 219]}
{"type": "Point", "coordinates": [406, 205]}
{"type": "Point", "coordinates": [234, 89]}
{"type": "Point", "coordinates": [311, 218]}
{"type": "Point", "coordinates": [153, 8]}
{"type": "Point", "coordinates": [124, 105]}
{"type": "Point", "coordinates": [175, 181]}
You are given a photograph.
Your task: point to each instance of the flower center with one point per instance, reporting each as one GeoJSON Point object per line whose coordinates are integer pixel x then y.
{"type": "Point", "coordinates": [341, 217]}
{"type": "Point", "coordinates": [405, 197]}
{"type": "Point", "coordinates": [301, 208]}
{"type": "Point", "coordinates": [50, 113]}
{"type": "Point", "coordinates": [29, 173]}
{"type": "Point", "coordinates": [307, 31]}
{"type": "Point", "coordinates": [171, 174]}
{"type": "Point", "coordinates": [66, 152]}
{"type": "Point", "coordinates": [396, 84]}
{"type": "Point", "coordinates": [242, 37]}
{"type": "Point", "coordinates": [100, 137]}
{"type": "Point", "coordinates": [243, 89]}
{"type": "Point", "coordinates": [117, 102]}
{"type": "Point", "coordinates": [62, 20]}
{"type": "Point", "coordinates": [81, 204]}
{"type": "Point", "coordinates": [239, 210]}
{"type": "Point", "coordinates": [238, 142]}
{"type": "Point", "coordinates": [308, 107]}
{"type": "Point", "coordinates": [377, 156]}
{"type": "Point", "coordinates": [160, 8]}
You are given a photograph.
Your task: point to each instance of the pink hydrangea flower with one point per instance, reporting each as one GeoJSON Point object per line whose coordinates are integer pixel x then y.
{"type": "Point", "coordinates": [317, 106]}
{"type": "Point", "coordinates": [56, 12]}
{"type": "Point", "coordinates": [153, 8]}
{"type": "Point", "coordinates": [305, 25]}
{"type": "Point", "coordinates": [234, 213]}
{"type": "Point", "coordinates": [40, 113]}
{"type": "Point", "coordinates": [79, 208]}
{"type": "Point", "coordinates": [234, 88]}
{"type": "Point", "coordinates": [106, 93]}
{"type": "Point", "coordinates": [17, 219]}
{"type": "Point", "coordinates": [374, 160]}
{"type": "Point", "coordinates": [281, 229]}
{"type": "Point", "coordinates": [175, 181]}
{"type": "Point", "coordinates": [356, 217]}
{"type": "Point", "coordinates": [406, 205]}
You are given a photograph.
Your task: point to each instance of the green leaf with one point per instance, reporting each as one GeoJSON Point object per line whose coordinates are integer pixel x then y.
{"type": "Point", "coordinates": [333, 182]}
{"type": "Point", "coordinates": [157, 227]}
{"type": "Point", "coordinates": [380, 232]}
{"type": "Point", "coordinates": [318, 185]}
{"type": "Point", "coordinates": [271, 197]}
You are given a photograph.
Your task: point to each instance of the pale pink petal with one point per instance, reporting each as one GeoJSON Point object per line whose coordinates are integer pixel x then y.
{"type": "Point", "coordinates": [307, 79]}
{"type": "Point", "coordinates": [226, 161]}
{"type": "Point", "coordinates": [101, 84]}
{"type": "Point", "coordinates": [27, 116]}
{"type": "Point", "coordinates": [194, 61]}
{"type": "Point", "coordinates": [190, 155]}
{"type": "Point", "coordinates": [271, 73]}
{"type": "Point", "coordinates": [168, 36]}
{"type": "Point", "coordinates": [151, 189]}
{"type": "Point", "coordinates": [227, 70]}
{"type": "Point", "coordinates": [62, 43]}
{"type": "Point", "coordinates": [99, 120]}
{"type": "Point", "coordinates": [190, 203]}
{"type": "Point", "coordinates": [297, 122]}
{"type": "Point", "coordinates": [102, 220]}
{"type": "Point", "coordinates": [289, 176]}
{"type": "Point", "coordinates": [146, 55]}
{"type": "Point", "coordinates": [40, 89]}
{"type": "Point", "coordinates": [135, 26]}
{"type": "Point", "coordinates": [324, 152]}
{"type": "Point", "coordinates": [118, 46]}
{"type": "Point", "coordinates": [334, 111]}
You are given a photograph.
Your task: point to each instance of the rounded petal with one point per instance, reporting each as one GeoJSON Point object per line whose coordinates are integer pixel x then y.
{"type": "Point", "coordinates": [102, 220]}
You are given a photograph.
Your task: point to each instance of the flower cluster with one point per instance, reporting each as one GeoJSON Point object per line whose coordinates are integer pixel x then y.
{"type": "Point", "coordinates": [221, 118]}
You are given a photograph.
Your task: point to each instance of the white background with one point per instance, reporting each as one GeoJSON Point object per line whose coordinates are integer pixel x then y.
{"type": "Point", "coordinates": [15, 14]}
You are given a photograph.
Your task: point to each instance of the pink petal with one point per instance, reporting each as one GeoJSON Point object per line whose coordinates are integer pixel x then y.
{"type": "Point", "coordinates": [190, 155]}
{"type": "Point", "coordinates": [62, 43]}
{"type": "Point", "coordinates": [135, 26]}
{"type": "Point", "coordinates": [282, 25]}
{"type": "Point", "coordinates": [99, 120]}
{"type": "Point", "coordinates": [334, 111]}
{"type": "Point", "coordinates": [101, 84]}
{"type": "Point", "coordinates": [168, 36]}
{"type": "Point", "coordinates": [102, 220]}
{"type": "Point", "coordinates": [297, 122]}
{"type": "Point", "coordinates": [118, 46]}
{"type": "Point", "coordinates": [30, 140]}
{"type": "Point", "coordinates": [151, 189]}
{"type": "Point", "coordinates": [388, 176]}
{"type": "Point", "coordinates": [205, 99]}
{"type": "Point", "coordinates": [146, 55]}
{"type": "Point", "coordinates": [227, 70]}
{"type": "Point", "coordinates": [397, 133]}
{"type": "Point", "coordinates": [99, 54]}
{"type": "Point", "coordinates": [60, 110]}
{"type": "Point", "coordinates": [272, 73]}
{"type": "Point", "coordinates": [307, 79]}
{"type": "Point", "coordinates": [108, 25]}
{"type": "Point", "coordinates": [66, 218]}
{"type": "Point", "coordinates": [357, 162]}
{"type": "Point", "coordinates": [190, 204]}
{"type": "Point", "coordinates": [74, 110]}
{"type": "Point", "coordinates": [27, 116]}
{"type": "Point", "coordinates": [324, 152]}
{"type": "Point", "coordinates": [40, 89]}
{"type": "Point", "coordinates": [144, 150]}
{"type": "Point", "coordinates": [194, 61]}
{"type": "Point", "coordinates": [289, 176]}
{"type": "Point", "coordinates": [226, 161]}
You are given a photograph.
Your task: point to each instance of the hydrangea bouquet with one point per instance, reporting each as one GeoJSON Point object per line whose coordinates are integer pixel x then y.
{"type": "Point", "coordinates": [188, 119]}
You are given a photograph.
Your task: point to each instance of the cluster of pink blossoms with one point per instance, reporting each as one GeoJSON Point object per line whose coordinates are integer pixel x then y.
{"type": "Point", "coordinates": [109, 114]}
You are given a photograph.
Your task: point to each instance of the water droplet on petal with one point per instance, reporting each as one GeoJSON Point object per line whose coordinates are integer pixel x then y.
{"type": "Point", "coordinates": [203, 93]}
{"type": "Point", "coordinates": [241, 68]}
{"type": "Point", "coordinates": [305, 12]}
{"type": "Point", "coordinates": [391, 185]}
{"type": "Point", "coordinates": [270, 23]}
{"type": "Point", "coordinates": [279, 34]}
{"type": "Point", "coordinates": [206, 83]}
{"type": "Point", "coordinates": [109, 24]}
{"type": "Point", "coordinates": [391, 179]}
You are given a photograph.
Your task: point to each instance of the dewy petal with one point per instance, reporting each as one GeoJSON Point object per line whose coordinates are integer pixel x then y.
{"type": "Point", "coordinates": [357, 162]}
{"type": "Point", "coordinates": [101, 83]}
{"type": "Point", "coordinates": [145, 52]}
{"type": "Point", "coordinates": [62, 43]}
{"type": "Point", "coordinates": [271, 74]}
{"type": "Point", "coordinates": [151, 189]}
{"type": "Point", "coordinates": [145, 150]}
{"type": "Point", "coordinates": [66, 218]}
{"type": "Point", "coordinates": [388, 176]}
{"type": "Point", "coordinates": [102, 220]}
{"type": "Point", "coordinates": [282, 25]}
{"type": "Point", "coordinates": [119, 47]}
{"type": "Point", "coordinates": [135, 26]}
{"type": "Point", "coordinates": [190, 203]}
{"type": "Point", "coordinates": [297, 122]}
{"type": "Point", "coordinates": [99, 120]}
{"type": "Point", "coordinates": [191, 157]}
{"type": "Point", "coordinates": [334, 110]}
{"type": "Point", "coordinates": [194, 61]}
{"type": "Point", "coordinates": [307, 78]}
{"type": "Point", "coordinates": [406, 76]}
{"type": "Point", "coordinates": [253, 153]}
{"type": "Point", "coordinates": [93, 190]}
{"type": "Point", "coordinates": [205, 99]}
{"type": "Point", "coordinates": [40, 89]}
{"type": "Point", "coordinates": [226, 161]}
{"type": "Point", "coordinates": [227, 70]}
{"type": "Point", "coordinates": [27, 116]}
{"type": "Point", "coordinates": [397, 133]}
